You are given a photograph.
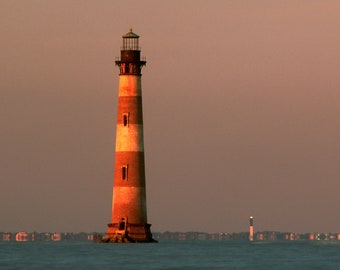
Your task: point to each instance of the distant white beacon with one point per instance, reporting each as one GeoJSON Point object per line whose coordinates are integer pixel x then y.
{"type": "Point", "coordinates": [251, 228]}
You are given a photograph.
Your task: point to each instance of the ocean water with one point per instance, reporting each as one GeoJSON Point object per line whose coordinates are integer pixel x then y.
{"type": "Point", "coordinates": [171, 255]}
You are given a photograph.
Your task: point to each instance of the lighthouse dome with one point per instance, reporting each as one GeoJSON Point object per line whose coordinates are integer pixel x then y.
{"type": "Point", "coordinates": [130, 34]}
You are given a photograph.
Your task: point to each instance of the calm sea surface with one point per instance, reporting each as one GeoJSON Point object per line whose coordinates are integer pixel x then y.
{"type": "Point", "coordinates": [171, 255]}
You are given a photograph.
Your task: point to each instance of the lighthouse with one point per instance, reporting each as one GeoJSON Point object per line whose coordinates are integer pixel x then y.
{"type": "Point", "coordinates": [129, 211]}
{"type": "Point", "coordinates": [251, 228]}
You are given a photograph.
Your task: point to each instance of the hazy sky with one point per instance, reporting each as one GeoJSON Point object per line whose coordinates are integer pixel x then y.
{"type": "Point", "coordinates": [241, 113]}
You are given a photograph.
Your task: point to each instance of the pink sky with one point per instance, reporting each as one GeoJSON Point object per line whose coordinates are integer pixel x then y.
{"type": "Point", "coordinates": [241, 113]}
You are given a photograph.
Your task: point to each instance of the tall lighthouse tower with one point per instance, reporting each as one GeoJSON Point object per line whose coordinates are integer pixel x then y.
{"type": "Point", "coordinates": [251, 228]}
{"type": "Point", "coordinates": [129, 213]}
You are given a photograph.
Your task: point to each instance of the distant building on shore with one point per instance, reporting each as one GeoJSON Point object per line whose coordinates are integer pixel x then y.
{"type": "Point", "coordinates": [21, 237]}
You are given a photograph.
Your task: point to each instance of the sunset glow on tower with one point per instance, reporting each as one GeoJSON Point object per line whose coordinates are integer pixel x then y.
{"type": "Point", "coordinates": [129, 211]}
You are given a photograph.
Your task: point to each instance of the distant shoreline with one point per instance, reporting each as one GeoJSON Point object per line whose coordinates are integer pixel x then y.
{"type": "Point", "coordinates": [177, 236]}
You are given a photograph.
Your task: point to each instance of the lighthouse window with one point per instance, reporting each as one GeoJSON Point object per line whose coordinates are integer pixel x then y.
{"type": "Point", "coordinates": [125, 119]}
{"type": "Point", "coordinates": [124, 172]}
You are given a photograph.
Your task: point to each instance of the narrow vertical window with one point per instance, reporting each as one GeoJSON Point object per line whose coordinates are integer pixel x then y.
{"type": "Point", "coordinates": [122, 67]}
{"type": "Point", "coordinates": [125, 119]}
{"type": "Point", "coordinates": [124, 172]}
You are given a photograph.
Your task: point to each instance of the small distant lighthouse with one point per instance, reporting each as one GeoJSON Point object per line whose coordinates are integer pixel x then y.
{"type": "Point", "coordinates": [251, 228]}
{"type": "Point", "coordinates": [129, 212]}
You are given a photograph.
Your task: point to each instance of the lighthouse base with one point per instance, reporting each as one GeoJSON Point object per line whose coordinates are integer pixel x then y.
{"type": "Point", "coordinates": [130, 233]}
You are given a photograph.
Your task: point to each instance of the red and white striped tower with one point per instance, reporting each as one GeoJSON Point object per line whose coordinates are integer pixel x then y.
{"type": "Point", "coordinates": [129, 215]}
{"type": "Point", "coordinates": [251, 228]}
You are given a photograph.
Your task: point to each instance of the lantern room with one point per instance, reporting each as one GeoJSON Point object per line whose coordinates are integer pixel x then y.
{"type": "Point", "coordinates": [130, 42]}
